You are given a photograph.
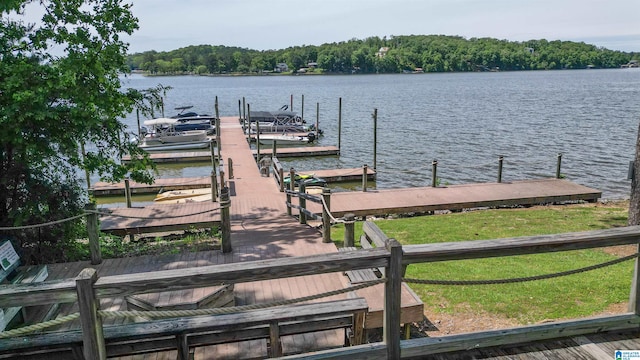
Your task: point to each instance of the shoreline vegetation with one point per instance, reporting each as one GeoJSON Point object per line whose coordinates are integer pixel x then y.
{"type": "Point", "coordinates": [413, 54]}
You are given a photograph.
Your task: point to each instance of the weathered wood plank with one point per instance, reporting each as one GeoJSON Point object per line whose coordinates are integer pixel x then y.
{"type": "Point", "coordinates": [373, 232]}
{"type": "Point", "coordinates": [145, 336]}
{"type": "Point", "coordinates": [457, 197]}
{"type": "Point", "coordinates": [521, 245]}
{"type": "Point", "coordinates": [426, 346]}
{"type": "Point", "coordinates": [169, 280]}
{"type": "Point", "coordinates": [375, 351]}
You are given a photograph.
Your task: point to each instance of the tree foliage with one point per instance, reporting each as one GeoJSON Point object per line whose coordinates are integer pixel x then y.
{"type": "Point", "coordinates": [432, 53]}
{"type": "Point", "coordinates": [60, 94]}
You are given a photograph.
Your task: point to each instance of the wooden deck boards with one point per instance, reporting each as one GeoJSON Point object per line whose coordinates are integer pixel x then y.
{"type": "Point", "coordinates": [288, 152]}
{"type": "Point", "coordinates": [107, 189]}
{"type": "Point", "coordinates": [159, 218]}
{"type": "Point", "coordinates": [457, 197]}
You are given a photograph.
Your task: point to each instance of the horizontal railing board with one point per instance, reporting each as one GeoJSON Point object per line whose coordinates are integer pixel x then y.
{"type": "Point", "coordinates": [434, 345]}
{"type": "Point", "coordinates": [189, 278]}
{"type": "Point", "coordinates": [374, 233]}
{"type": "Point", "coordinates": [477, 249]}
{"type": "Point", "coordinates": [48, 292]}
{"type": "Point", "coordinates": [374, 351]}
{"type": "Point", "coordinates": [167, 280]}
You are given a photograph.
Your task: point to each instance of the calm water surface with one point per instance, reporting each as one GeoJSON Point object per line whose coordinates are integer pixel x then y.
{"type": "Point", "coordinates": [464, 120]}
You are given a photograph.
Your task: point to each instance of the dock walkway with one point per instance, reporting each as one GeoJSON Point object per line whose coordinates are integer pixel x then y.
{"type": "Point", "coordinates": [457, 197]}
{"type": "Point", "coordinates": [262, 230]}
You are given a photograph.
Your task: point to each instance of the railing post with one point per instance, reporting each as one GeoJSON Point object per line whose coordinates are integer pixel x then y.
{"type": "Point", "coordinates": [214, 186]}
{"type": "Point", "coordinates": [218, 142]}
{"type": "Point", "coordinates": [500, 161]}
{"type": "Point", "coordinates": [364, 177]}
{"type": "Point", "coordinates": [274, 147]}
{"type": "Point", "coordinates": [245, 110]}
{"type": "Point", "coordinates": [292, 174]}
{"type": "Point", "coordinates": [558, 175]}
{"type": "Point", "coordinates": [127, 193]}
{"type": "Point", "coordinates": [92, 230]}
{"type": "Point", "coordinates": [339, 123]}
{"type": "Point", "coordinates": [230, 167]}
{"type": "Point", "coordinates": [222, 181]}
{"type": "Point", "coordinates": [281, 176]}
{"type": "Point", "coordinates": [93, 346]}
{"type": "Point", "coordinates": [213, 154]}
{"type": "Point", "coordinates": [634, 295]}
{"type": "Point", "coordinates": [303, 203]}
{"type": "Point", "coordinates": [225, 204]}
{"type": "Point", "coordinates": [349, 230]}
{"type": "Point", "coordinates": [392, 300]}
{"type": "Point", "coordinates": [326, 220]}
{"type": "Point", "coordinates": [434, 173]}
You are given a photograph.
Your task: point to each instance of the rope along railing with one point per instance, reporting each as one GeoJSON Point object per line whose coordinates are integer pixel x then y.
{"type": "Point", "coordinates": [522, 279]}
{"type": "Point", "coordinates": [184, 313]}
{"type": "Point", "coordinates": [103, 213]}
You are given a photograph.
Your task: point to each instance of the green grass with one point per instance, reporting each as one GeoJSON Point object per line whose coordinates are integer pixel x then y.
{"type": "Point", "coordinates": [574, 296]}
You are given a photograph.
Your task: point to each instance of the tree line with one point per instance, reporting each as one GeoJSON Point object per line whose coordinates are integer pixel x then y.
{"type": "Point", "coordinates": [428, 53]}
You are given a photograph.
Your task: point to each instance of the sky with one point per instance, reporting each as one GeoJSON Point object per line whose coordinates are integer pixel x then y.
{"type": "Point", "coordinates": [277, 24]}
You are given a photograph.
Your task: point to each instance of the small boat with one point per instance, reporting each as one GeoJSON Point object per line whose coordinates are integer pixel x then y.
{"type": "Point", "coordinates": [307, 179]}
{"type": "Point", "coordinates": [161, 135]}
{"type": "Point", "coordinates": [284, 139]}
{"type": "Point", "coordinates": [182, 194]}
{"type": "Point", "coordinates": [194, 121]}
{"type": "Point", "coordinates": [277, 122]}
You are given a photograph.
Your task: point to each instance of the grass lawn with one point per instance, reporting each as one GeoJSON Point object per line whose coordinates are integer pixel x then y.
{"type": "Point", "coordinates": [574, 296]}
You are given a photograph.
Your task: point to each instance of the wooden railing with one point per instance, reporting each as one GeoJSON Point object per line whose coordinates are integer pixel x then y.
{"type": "Point", "coordinates": [87, 289]}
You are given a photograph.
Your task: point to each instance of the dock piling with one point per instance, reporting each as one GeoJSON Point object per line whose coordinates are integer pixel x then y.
{"type": "Point", "coordinates": [92, 231]}
{"type": "Point", "coordinates": [375, 138]}
{"type": "Point", "coordinates": [127, 192]}
{"type": "Point", "coordinates": [365, 170]}
{"type": "Point", "coordinates": [558, 175]}
{"type": "Point", "coordinates": [214, 186]}
{"type": "Point", "coordinates": [500, 161]}
{"type": "Point", "coordinates": [434, 171]}
{"type": "Point", "coordinates": [339, 123]}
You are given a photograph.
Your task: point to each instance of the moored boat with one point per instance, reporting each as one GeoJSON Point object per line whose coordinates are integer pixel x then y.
{"type": "Point", "coordinates": [285, 139]}
{"type": "Point", "coordinates": [182, 194]}
{"type": "Point", "coordinates": [161, 134]}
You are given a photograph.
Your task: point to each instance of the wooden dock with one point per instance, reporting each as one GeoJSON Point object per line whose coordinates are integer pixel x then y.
{"type": "Point", "coordinates": [457, 197]}
{"type": "Point", "coordinates": [159, 185]}
{"type": "Point", "coordinates": [261, 230]}
{"type": "Point", "coordinates": [177, 157]}
{"type": "Point", "coordinates": [306, 151]}
{"type": "Point", "coordinates": [341, 175]}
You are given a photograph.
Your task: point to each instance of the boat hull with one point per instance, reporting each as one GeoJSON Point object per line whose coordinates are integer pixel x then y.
{"type": "Point", "coordinates": [176, 146]}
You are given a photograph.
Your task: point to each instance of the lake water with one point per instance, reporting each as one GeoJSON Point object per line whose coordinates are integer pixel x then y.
{"type": "Point", "coordinates": [464, 120]}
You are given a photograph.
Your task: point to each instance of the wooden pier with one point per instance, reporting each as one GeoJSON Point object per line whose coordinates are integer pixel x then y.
{"type": "Point", "coordinates": [177, 157]}
{"type": "Point", "coordinates": [307, 151]}
{"type": "Point", "coordinates": [159, 185]}
{"type": "Point", "coordinates": [457, 197]}
{"type": "Point", "coordinates": [261, 230]}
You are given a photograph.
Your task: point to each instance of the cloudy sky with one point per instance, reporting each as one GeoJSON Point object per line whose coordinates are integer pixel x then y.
{"type": "Point", "coordinates": [277, 24]}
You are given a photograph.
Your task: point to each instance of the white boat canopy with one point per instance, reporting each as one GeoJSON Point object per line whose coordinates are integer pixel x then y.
{"type": "Point", "coordinates": [160, 121]}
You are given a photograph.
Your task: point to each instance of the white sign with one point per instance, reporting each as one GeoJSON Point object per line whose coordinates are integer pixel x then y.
{"type": "Point", "coordinates": [8, 255]}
